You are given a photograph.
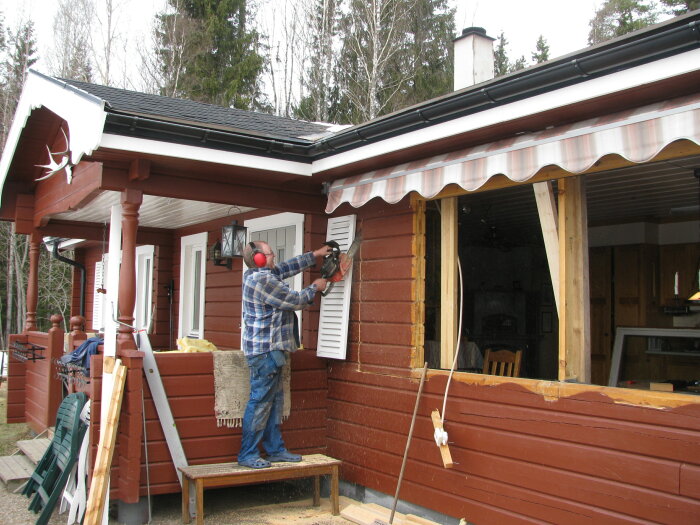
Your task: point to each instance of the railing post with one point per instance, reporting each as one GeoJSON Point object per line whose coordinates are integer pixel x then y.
{"type": "Point", "coordinates": [54, 350]}
{"type": "Point", "coordinates": [77, 332]}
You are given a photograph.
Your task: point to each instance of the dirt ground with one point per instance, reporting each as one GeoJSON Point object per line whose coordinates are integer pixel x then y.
{"type": "Point", "coordinates": [281, 503]}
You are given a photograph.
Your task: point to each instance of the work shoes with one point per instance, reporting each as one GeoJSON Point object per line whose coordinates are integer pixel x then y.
{"type": "Point", "coordinates": [284, 456]}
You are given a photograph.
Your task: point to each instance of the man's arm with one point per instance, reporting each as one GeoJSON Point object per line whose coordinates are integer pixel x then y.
{"type": "Point", "coordinates": [296, 264]}
{"type": "Point", "coordinates": [278, 294]}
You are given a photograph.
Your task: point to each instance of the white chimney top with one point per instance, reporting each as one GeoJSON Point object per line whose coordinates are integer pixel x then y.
{"type": "Point", "coordinates": [473, 57]}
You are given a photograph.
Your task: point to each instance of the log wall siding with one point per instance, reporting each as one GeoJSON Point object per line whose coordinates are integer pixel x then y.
{"type": "Point", "coordinates": [519, 458]}
{"type": "Point", "coordinates": [189, 384]}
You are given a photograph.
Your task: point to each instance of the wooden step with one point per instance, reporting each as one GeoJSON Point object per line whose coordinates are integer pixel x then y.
{"type": "Point", "coordinates": [34, 448]}
{"type": "Point", "coordinates": [15, 470]}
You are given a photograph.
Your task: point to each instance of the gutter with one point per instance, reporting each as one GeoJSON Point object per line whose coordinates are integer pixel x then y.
{"type": "Point", "coordinates": [676, 36]}
{"type": "Point", "coordinates": [77, 265]}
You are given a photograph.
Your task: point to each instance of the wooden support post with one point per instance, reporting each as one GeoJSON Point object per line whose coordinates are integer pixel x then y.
{"type": "Point", "coordinates": [448, 282]}
{"type": "Point", "coordinates": [105, 450]}
{"type": "Point", "coordinates": [547, 209]}
{"type": "Point", "coordinates": [444, 449]}
{"type": "Point", "coordinates": [574, 317]}
{"type": "Point", "coordinates": [130, 201]}
{"type": "Point", "coordinates": [32, 282]}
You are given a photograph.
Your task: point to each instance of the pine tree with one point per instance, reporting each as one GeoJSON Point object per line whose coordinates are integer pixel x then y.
{"type": "Point", "coordinates": [619, 17]}
{"type": "Point", "coordinates": [679, 7]}
{"type": "Point", "coordinates": [222, 64]}
{"type": "Point", "coordinates": [541, 53]}
{"type": "Point", "coordinates": [501, 64]}
{"type": "Point", "coordinates": [427, 59]}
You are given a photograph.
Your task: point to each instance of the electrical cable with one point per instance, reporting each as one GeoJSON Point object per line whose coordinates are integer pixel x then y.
{"type": "Point", "coordinates": [459, 332]}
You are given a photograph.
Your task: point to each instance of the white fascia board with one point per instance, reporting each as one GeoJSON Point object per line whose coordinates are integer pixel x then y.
{"type": "Point", "coordinates": [84, 114]}
{"type": "Point", "coordinates": [182, 151]}
{"type": "Point", "coordinates": [614, 82]}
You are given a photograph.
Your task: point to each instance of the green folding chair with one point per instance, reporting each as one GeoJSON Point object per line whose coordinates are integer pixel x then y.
{"type": "Point", "coordinates": [52, 472]}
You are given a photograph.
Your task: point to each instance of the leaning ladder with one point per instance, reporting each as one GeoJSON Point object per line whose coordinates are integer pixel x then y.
{"type": "Point", "coordinates": [165, 415]}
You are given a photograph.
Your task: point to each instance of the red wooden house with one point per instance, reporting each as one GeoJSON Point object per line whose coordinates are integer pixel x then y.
{"type": "Point", "coordinates": [569, 194]}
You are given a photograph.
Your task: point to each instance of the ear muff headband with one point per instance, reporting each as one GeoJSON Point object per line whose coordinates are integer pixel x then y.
{"type": "Point", "coordinates": [259, 258]}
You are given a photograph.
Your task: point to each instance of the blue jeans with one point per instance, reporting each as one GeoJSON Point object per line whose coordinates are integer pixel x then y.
{"type": "Point", "coordinates": [263, 413]}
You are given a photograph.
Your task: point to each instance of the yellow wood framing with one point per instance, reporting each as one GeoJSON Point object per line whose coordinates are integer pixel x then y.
{"type": "Point", "coordinates": [449, 315]}
{"type": "Point", "coordinates": [574, 317]}
{"type": "Point", "coordinates": [108, 437]}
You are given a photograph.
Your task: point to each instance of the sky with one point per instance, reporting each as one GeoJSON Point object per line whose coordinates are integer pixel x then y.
{"type": "Point", "coordinates": [563, 23]}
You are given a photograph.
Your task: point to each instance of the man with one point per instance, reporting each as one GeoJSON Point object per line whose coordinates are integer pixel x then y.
{"type": "Point", "coordinates": [268, 337]}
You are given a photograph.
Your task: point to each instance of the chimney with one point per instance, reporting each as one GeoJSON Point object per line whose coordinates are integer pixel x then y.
{"type": "Point", "coordinates": [473, 56]}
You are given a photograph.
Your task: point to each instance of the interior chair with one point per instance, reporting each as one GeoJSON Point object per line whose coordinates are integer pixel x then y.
{"type": "Point", "coordinates": [502, 362]}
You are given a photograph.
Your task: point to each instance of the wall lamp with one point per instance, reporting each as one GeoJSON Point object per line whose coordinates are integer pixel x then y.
{"type": "Point", "coordinates": [231, 244]}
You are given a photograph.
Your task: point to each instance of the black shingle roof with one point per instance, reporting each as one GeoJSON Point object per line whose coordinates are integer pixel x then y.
{"type": "Point", "coordinates": [198, 113]}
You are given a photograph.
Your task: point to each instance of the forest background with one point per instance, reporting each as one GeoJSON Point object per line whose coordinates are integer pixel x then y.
{"type": "Point", "coordinates": [339, 61]}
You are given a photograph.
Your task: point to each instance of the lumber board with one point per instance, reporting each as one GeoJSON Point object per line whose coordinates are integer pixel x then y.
{"type": "Point", "coordinates": [103, 462]}
{"type": "Point", "coordinates": [448, 282]}
{"type": "Point", "coordinates": [547, 210]}
{"type": "Point", "coordinates": [444, 449]}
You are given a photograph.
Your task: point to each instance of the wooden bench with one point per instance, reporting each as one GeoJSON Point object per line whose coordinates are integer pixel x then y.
{"type": "Point", "coordinates": [230, 474]}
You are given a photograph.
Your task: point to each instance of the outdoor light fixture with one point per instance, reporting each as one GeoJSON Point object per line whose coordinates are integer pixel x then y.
{"type": "Point", "coordinates": [233, 239]}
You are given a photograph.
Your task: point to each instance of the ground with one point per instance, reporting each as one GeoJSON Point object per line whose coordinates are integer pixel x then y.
{"type": "Point", "coordinates": [284, 503]}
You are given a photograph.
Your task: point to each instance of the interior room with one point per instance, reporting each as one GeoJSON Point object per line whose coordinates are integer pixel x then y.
{"type": "Point", "coordinates": [644, 263]}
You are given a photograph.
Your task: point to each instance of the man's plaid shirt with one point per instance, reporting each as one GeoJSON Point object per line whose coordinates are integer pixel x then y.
{"type": "Point", "coordinates": [269, 303]}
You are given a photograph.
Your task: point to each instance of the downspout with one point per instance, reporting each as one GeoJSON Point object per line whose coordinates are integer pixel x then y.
{"type": "Point", "coordinates": [78, 265]}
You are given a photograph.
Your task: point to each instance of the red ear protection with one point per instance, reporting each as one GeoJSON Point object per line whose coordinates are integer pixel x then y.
{"type": "Point", "coordinates": [259, 258]}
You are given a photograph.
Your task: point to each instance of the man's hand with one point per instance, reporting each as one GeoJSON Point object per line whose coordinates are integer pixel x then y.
{"type": "Point", "coordinates": [322, 251]}
{"type": "Point", "coordinates": [320, 284]}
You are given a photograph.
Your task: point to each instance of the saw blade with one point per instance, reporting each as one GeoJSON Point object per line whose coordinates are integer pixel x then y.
{"type": "Point", "coordinates": [354, 246]}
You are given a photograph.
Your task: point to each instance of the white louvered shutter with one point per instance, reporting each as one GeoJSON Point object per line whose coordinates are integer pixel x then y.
{"type": "Point", "coordinates": [335, 307]}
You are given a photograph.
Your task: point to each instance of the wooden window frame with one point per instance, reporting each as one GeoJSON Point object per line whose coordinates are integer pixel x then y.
{"type": "Point", "coordinates": [566, 243]}
{"type": "Point", "coordinates": [189, 246]}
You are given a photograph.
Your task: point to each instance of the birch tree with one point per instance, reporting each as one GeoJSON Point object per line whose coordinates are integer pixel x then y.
{"type": "Point", "coordinates": [70, 56]}
{"type": "Point", "coordinates": [323, 18]}
{"type": "Point", "coordinates": [375, 34]}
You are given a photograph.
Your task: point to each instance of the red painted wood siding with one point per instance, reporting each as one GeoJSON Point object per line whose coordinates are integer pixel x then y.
{"type": "Point", "coordinates": [519, 458]}
{"type": "Point", "coordinates": [189, 383]}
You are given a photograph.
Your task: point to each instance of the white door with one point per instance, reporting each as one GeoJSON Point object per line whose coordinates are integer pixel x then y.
{"type": "Point", "coordinates": [284, 232]}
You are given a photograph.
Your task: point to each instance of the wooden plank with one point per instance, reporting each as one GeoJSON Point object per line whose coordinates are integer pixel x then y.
{"type": "Point", "coordinates": [448, 282]}
{"type": "Point", "coordinates": [105, 450]}
{"type": "Point", "coordinates": [547, 209]}
{"type": "Point", "coordinates": [574, 322]}
{"type": "Point", "coordinates": [444, 449]}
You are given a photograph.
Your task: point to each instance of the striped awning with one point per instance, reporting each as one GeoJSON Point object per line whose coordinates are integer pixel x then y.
{"type": "Point", "coordinates": [638, 135]}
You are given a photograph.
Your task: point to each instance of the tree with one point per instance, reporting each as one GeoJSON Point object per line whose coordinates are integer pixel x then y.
{"type": "Point", "coordinates": [541, 53]}
{"type": "Point", "coordinates": [106, 37]}
{"type": "Point", "coordinates": [426, 61]}
{"type": "Point", "coordinates": [71, 28]}
{"type": "Point", "coordinates": [619, 17]}
{"type": "Point", "coordinates": [283, 34]}
{"type": "Point", "coordinates": [171, 48]}
{"type": "Point", "coordinates": [323, 25]}
{"type": "Point", "coordinates": [501, 64]}
{"type": "Point", "coordinates": [679, 7]}
{"type": "Point", "coordinates": [375, 33]}
{"type": "Point", "coordinates": [222, 64]}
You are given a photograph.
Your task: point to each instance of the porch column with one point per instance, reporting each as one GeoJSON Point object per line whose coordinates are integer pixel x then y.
{"type": "Point", "coordinates": [574, 302]}
{"type": "Point", "coordinates": [32, 282]}
{"type": "Point", "coordinates": [131, 202]}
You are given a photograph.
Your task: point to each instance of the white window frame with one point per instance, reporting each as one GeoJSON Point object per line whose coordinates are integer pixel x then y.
{"type": "Point", "coordinates": [190, 245]}
{"type": "Point", "coordinates": [281, 220]}
{"type": "Point", "coordinates": [144, 287]}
